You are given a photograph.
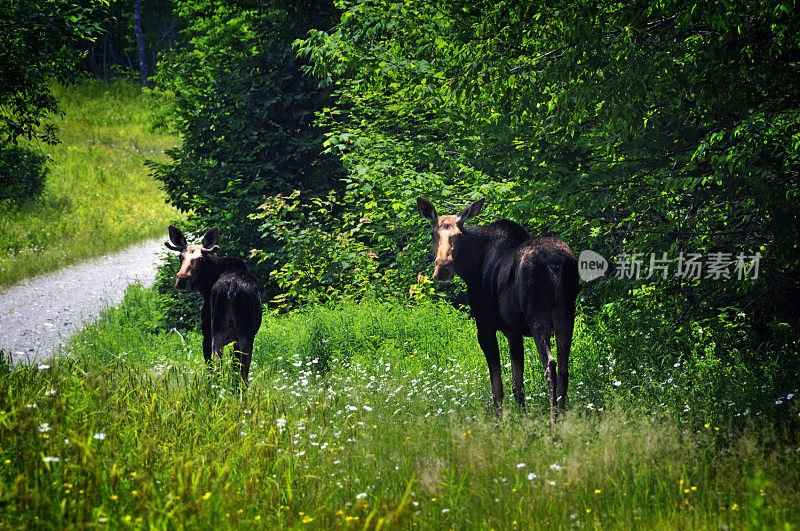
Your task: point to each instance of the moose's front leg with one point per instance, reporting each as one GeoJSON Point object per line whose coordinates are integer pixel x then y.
{"type": "Point", "coordinates": [487, 339]}
{"type": "Point", "coordinates": [205, 326]}
{"type": "Point", "coordinates": [207, 352]}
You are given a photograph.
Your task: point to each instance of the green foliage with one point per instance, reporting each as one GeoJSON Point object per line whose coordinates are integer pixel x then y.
{"type": "Point", "coordinates": [322, 262]}
{"type": "Point", "coordinates": [657, 128]}
{"type": "Point", "coordinates": [37, 45]}
{"type": "Point", "coordinates": [24, 174]}
{"type": "Point", "coordinates": [234, 90]}
{"type": "Point", "coordinates": [99, 196]}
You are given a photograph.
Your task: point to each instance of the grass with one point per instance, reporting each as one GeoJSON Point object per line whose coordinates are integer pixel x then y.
{"type": "Point", "coordinates": [99, 196]}
{"type": "Point", "coordinates": [359, 416]}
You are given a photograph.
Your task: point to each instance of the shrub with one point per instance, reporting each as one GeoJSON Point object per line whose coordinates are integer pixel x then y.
{"type": "Point", "coordinates": [24, 173]}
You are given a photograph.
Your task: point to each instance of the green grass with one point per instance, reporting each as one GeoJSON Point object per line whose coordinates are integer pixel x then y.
{"type": "Point", "coordinates": [99, 195]}
{"type": "Point", "coordinates": [359, 416]}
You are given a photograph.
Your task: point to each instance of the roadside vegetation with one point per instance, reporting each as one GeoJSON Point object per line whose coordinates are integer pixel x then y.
{"type": "Point", "coordinates": [99, 195]}
{"type": "Point", "coordinates": [364, 415]}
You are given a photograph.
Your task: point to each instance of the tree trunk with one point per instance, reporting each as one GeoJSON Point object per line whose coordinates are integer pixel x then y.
{"type": "Point", "coordinates": [137, 25]}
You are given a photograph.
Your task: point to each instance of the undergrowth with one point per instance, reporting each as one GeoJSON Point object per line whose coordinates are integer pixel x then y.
{"type": "Point", "coordinates": [362, 415]}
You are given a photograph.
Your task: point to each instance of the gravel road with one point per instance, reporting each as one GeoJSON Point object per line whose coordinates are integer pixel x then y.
{"type": "Point", "coordinates": [39, 314]}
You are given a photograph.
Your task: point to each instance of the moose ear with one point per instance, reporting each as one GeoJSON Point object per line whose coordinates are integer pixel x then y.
{"type": "Point", "coordinates": [210, 239]}
{"type": "Point", "coordinates": [426, 210]}
{"type": "Point", "coordinates": [177, 241]}
{"type": "Point", "coordinates": [472, 210]}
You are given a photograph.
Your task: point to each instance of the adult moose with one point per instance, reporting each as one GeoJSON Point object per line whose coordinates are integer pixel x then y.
{"type": "Point", "coordinates": [516, 284]}
{"type": "Point", "coordinates": [231, 302]}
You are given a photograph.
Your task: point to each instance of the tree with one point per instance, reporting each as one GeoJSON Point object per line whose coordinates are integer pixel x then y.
{"type": "Point", "coordinates": [38, 39]}
{"type": "Point", "coordinates": [144, 70]}
{"type": "Point", "coordinates": [38, 42]}
{"type": "Point", "coordinates": [234, 89]}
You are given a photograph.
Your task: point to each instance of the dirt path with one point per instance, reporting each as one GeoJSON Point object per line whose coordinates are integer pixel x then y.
{"type": "Point", "coordinates": [39, 314]}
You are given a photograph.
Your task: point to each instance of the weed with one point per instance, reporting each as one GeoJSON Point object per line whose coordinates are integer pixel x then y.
{"type": "Point", "coordinates": [394, 429]}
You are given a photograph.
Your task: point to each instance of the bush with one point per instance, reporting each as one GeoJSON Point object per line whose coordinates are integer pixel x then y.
{"type": "Point", "coordinates": [24, 173]}
{"type": "Point", "coordinates": [236, 92]}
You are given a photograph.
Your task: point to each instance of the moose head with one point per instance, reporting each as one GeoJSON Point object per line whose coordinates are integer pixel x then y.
{"type": "Point", "coordinates": [192, 256]}
{"type": "Point", "coordinates": [447, 233]}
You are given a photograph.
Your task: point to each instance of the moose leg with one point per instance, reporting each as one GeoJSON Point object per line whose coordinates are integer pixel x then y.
{"type": "Point", "coordinates": [236, 354]}
{"type": "Point", "coordinates": [564, 324]}
{"type": "Point", "coordinates": [515, 347]}
{"type": "Point", "coordinates": [207, 351]}
{"type": "Point", "coordinates": [541, 335]}
{"type": "Point", "coordinates": [205, 327]}
{"type": "Point", "coordinates": [217, 345]}
{"type": "Point", "coordinates": [242, 354]}
{"type": "Point", "coordinates": [487, 339]}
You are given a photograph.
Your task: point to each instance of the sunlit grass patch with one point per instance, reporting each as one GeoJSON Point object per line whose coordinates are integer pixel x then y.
{"type": "Point", "coordinates": [394, 429]}
{"type": "Point", "coordinates": [99, 195]}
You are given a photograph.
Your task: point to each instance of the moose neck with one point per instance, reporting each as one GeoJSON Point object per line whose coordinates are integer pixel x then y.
{"type": "Point", "coordinates": [468, 262]}
{"type": "Point", "coordinates": [213, 267]}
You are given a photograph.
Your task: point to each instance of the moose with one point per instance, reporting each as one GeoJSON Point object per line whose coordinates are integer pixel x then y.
{"type": "Point", "coordinates": [231, 302]}
{"type": "Point", "coordinates": [516, 284]}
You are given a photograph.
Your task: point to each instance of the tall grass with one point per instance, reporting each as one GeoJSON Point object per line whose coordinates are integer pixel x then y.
{"type": "Point", "coordinates": [371, 415]}
{"type": "Point", "coordinates": [99, 196]}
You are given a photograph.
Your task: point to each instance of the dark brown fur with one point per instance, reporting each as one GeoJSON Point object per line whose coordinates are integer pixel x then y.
{"type": "Point", "coordinates": [516, 284]}
{"type": "Point", "coordinates": [231, 302]}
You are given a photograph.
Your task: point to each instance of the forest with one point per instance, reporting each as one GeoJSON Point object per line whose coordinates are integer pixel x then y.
{"type": "Point", "coordinates": [640, 131]}
{"type": "Point", "coordinates": [660, 140]}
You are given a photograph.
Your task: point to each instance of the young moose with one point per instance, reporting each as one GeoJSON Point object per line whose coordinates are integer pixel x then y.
{"type": "Point", "coordinates": [231, 302]}
{"type": "Point", "coordinates": [515, 284]}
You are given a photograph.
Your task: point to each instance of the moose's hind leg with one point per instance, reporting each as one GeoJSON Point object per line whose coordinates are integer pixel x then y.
{"type": "Point", "coordinates": [243, 355]}
{"type": "Point", "coordinates": [564, 325]}
{"type": "Point", "coordinates": [541, 336]}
